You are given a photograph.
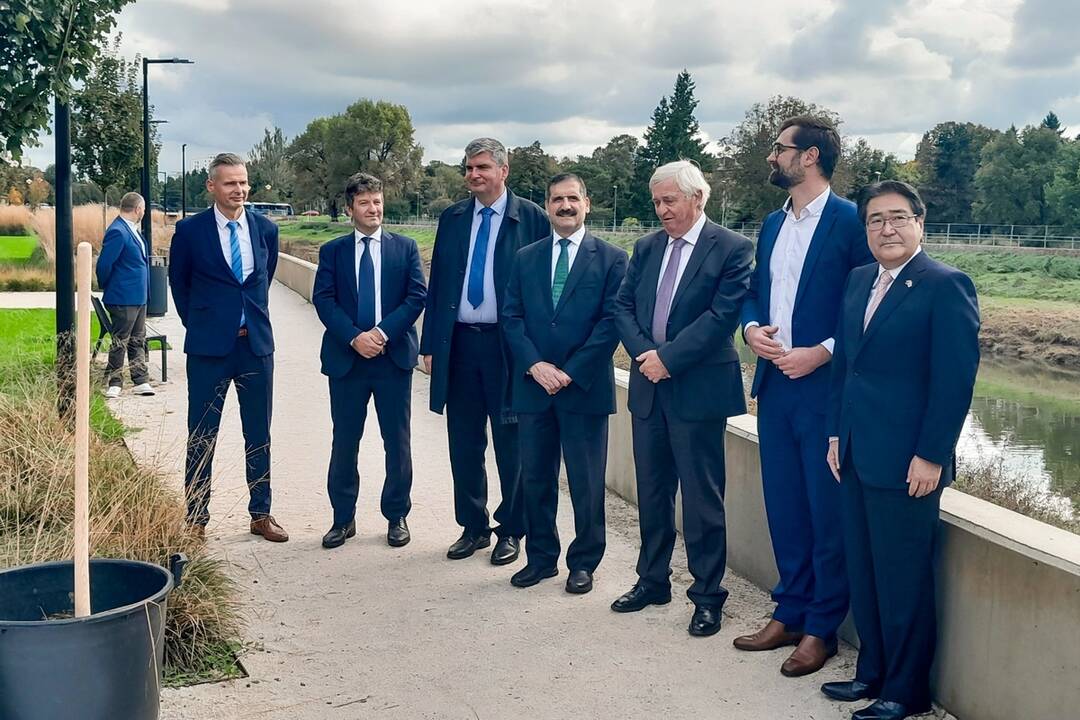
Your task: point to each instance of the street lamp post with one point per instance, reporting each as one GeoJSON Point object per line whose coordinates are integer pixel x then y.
{"type": "Point", "coordinates": [417, 207]}
{"type": "Point", "coordinates": [183, 181]}
{"type": "Point", "coordinates": [147, 226]}
{"type": "Point", "coordinates": [164, 192]}
{"type": "Point", "coordinates": [615, 207]}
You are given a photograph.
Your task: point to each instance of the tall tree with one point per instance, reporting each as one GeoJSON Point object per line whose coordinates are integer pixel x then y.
{"type": "Point", "coordinates": [1063, 192]}
{"type": "Point", "coordinates": [745, 173]}
{"type": "Point", "coordinates": [1052, 122]}
{"type": "Point", "coordinates": [1014, 172]}
{"type": "Point", "coordinates": [310, 159]}
{"type": "Point", "coordinates": [861, 164]}
{"type": "Point", "coordinates": [44, 46]}
{"type": "Point", "coordinates": [268, 166]}
{"type": "Point", "coordinates": [530, 170]}
{"type": "Point", "coordinates": [106, 132]}
{"type": "Point", "coordinates": [948, 156]}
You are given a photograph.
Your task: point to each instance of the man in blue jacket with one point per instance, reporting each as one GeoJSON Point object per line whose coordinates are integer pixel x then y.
{"type": "Point", "coordinates": [903, 373]}
{"type": "Point", "coordinates": [221, 263]}
{"type": "Point", "coordinates": [122, 273]}
{"type": "Point", "coordinates": [805, 251]}
{"type": "Point", "coordinates": [369, 291]}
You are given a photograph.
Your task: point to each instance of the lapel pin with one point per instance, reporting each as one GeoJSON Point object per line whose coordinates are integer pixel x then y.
{"type": "Point", "coordinates": [907, 282]}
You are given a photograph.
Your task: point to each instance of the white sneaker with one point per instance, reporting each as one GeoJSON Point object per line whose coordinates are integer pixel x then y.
{"type": "Point", "coordinates": [143, 389]}
{"type": "Point", "coordinates": [113, 392]}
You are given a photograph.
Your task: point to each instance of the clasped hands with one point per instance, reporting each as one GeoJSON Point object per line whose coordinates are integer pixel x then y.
{"type": "Point", "coordinates": [551, 378]}
{"type": "Point", "coordinates": [369, 343]}
{"type": "Point", "coordinates": [652, 367]}
{"type": "Point", "coordinates": [795, 363]}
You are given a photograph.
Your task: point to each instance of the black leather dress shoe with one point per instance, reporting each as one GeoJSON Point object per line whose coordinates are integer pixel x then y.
{"type": "Point", "coordinates": [639, 598]}
{"type": "Point", "coordinates": [849, 691]}
{"type": "Point", "coordinates": [887, 710]}
{"type": "Point", "coordinates": [397, 533]}
{"type": "Point", "coordinates": [529, 576]}
{"type": "Point", "coordinates": [337, 535]}
{"type": "Point", "coordinates": [705, 622]}
{"type": "Point", "coordinates": [506, 551]}
{"type": "Point", "coordinates": [579, 582]}
{"type": "Point", "coordinates": [466, 545]}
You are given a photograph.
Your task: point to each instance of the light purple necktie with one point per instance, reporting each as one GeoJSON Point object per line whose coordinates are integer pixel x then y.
{"type": "Point", "coordinates": [666, 291]}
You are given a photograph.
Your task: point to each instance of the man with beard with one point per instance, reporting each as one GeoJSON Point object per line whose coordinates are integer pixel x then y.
{"type": "Point", "coordinates": [559, 321]}
{"type": "Point", "coordinates": [463, 347]}
{"type": "Point", "coordinates": [805, 251]}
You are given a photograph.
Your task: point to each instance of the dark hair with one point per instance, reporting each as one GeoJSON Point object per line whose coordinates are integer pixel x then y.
{"type": "Point", "coordinates": [886, 187]}
{"type": "Point", "coordinates": [562, 177]}
{"type": "Point", "coordinates": [359, 184]}
{"type": "Point", "coordinates": [811, 131]}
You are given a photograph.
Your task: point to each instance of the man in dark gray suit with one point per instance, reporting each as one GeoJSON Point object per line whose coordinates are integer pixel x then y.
{"type": "Point", "coordinates": [677, 312]}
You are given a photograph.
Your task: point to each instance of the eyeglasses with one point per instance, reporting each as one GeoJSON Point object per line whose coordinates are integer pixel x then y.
{"type": "Point", "coordinates": [779, 148]}
{"type": "Point", "coordinates": [896, 222]}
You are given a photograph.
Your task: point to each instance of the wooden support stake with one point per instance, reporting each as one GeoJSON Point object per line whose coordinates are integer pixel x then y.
{"type": "Point", "coordinates": [82, 432]}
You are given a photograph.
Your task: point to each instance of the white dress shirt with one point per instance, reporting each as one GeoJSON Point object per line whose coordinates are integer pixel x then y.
{"type": "Point", "coordinates": [488, 311]}
{"type": "Point", "coordinates": [571, 249]}
{"type": "Point", "coordinates": [375, 248]}
{"type": "Point", "coordinates": [247, 256]}
{"type": "Point", "coordinates": [895, 272]}
{"type": "Point", "coordinates": [786, 265]}
{"type": "Point", "coordinates": [138, 235]}
{"type": "Point", "coordinates": [691, 238]}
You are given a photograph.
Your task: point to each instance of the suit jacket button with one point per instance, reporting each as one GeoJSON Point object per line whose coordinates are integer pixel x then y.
{"type": "Point", "coordinates": [554, 324]}
{"type": "Point", "coordinates": [453, 306]}
{"type": "Point", "coordinates": [856, 373]}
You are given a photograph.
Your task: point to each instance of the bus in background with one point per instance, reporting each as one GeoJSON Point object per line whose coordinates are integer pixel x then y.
{"type": "Point", "coordinates": [271, 209]}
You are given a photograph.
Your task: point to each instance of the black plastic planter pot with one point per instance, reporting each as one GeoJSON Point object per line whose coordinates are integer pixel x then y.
{"type": "Point", "coordinates": [103, 667]}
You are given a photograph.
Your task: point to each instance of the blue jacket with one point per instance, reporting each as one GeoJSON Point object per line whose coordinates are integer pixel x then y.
{"type": "Point", "coordinates": [838, 245]}
{"type": "Point", "coordinates": [699, 352]}
{"type": "Point", "coordinates": [903, 387]}
{"type": "Point", "coordinates": [402, 294]}
{"type": "Point", "coordinates": [578, 335]}
{"type": "Point", "coordinates": [209, 298]}
{"type": "Point", "coordinates": [122, 267]}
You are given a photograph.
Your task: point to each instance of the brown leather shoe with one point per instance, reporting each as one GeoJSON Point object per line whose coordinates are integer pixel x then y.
{"type": "Point", "coordinates": [772, 636]}
{"type": "Point", "coordinates": [809, 656]}
{"type": "Point", "coordinates": [269, 529]}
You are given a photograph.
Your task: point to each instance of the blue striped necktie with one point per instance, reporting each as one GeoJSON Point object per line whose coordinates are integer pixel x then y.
{"type": "Point", "coordinates": [236, 260]}
{"type": "Point", "coordinates": [475, 293]}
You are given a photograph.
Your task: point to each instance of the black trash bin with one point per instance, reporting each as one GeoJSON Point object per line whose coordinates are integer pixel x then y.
{"type": "Point", "coordinates": [103, 667]}
{"type": "Point", "coordinates": [158, 304]}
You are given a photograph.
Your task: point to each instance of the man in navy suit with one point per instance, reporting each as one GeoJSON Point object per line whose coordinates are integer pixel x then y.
{"type": "Point", "coordinates": [677, 311]}
{"type": "Point", "coordinates": [221, 263]}
{"type": "Point", "coordinates": [123, 277]}
{"type": "Point", "coordinates": [904, 365]}
{"type": "Point", "coordinates": [805, 251]}
{"type": "Point", "coordinates": [369, 291]}
{"type": "Point", "coordinates": [464, 351]}
{"type": "Point", "coordinates": [559, 321]}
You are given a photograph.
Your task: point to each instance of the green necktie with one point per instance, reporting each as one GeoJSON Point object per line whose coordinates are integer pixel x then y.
{"type": "Point", "coordinates": [562, 269]}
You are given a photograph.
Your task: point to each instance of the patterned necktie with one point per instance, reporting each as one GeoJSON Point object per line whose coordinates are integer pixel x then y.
{"type": "Point", "coordinates": [666, 291]}
{"type": "Point", "coordinates": [884, 280]}
{"type": "Point", "coordinates": [365, 289]}
{"type": "Point", "coordinates": [236, 259]}
{"type": "Point", "coordinates": [479, 258]}
{"type": "Point", "coordinates": [562, 269]}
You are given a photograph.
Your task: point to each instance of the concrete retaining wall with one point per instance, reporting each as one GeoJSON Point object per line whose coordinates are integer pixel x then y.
{"type": "Point", "coordinates": [1009, 590]}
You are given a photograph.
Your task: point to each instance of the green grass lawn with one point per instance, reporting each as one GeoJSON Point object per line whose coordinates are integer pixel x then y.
{"type": "Point", "coordinates": [1019, 275]}
{"type": "Point", "coordinates": [28, 341]}
{"type": "Point", "coordinates": [17, 249]}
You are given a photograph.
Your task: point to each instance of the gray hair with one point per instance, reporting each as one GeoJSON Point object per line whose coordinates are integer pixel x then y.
{"type": "Point", "coordinates": [488, 145]}
{"type": "Point", "coordinates": [686, 175]}
{"type": "Point", "coordinates": [231, 159]}
{"type": "Point", "coordinates": [131, 201]}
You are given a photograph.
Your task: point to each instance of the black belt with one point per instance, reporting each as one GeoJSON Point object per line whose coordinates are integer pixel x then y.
{"type": "Point", "coordinates": [477, 327]}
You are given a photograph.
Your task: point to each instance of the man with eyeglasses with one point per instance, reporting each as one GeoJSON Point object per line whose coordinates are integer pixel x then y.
{"type": "Point", "coordinates": [903, 372]}
{"type": "Point", "coordinates": [805, 251]}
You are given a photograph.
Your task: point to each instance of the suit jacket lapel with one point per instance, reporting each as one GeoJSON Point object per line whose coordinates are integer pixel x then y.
{"type": "Point", "coordinates": [704, 244]}
{"type": "Point", "coordinates": [585, 254]}
{"type": "Point", "coordinates": [504, 251]}
{"type": "Point", "coordinates": [255, 235]}
{"type": "Point", "coordinates": [650, 276]}
{"type": "Point", "coordinates": [767, 241]}
{"type": "Point", "coordinates": [899, 291]}
{"type": "Point", "coordinates": [464, 232]}
{"type": "Point", "coordinates": [347, 268]}
{"type": "Point", "coordinates": [214, 246]}
{"type": "Point", "coordinates": [817, 244]}
{"type": "Point", "coordinates": [126, 229]}
{"type": "Point", "coordinates": [389, 255]}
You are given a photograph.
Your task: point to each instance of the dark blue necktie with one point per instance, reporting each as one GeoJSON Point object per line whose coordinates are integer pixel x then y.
{"type": "Point", "coordinates": [365, 289]}
{"type": "Point", "coordinates": [479, 258]}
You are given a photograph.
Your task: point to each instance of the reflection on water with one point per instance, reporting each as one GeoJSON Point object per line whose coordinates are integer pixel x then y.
{"type": "Point", "coordinates": [1029, 418]}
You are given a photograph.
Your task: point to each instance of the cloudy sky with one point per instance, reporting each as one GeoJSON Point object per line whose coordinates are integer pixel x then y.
{"type": "Point", "coordinates": [574, 74]}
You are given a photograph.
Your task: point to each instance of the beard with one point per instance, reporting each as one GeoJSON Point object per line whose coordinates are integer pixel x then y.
{"type": "Point", "coordinates": [786, 178]}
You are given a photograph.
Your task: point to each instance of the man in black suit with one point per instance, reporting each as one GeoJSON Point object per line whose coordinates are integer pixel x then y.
{"type": "Point", "coordinates": [677, 311]}
{"type": "Point", "coordinates": [464, 351]}
{"type": "Point", "coordinates": [369, 290]}
{"type": "Point", "coordinates": [221, 262]}
{"type": "Point", "coordinates": [904, 366]}
{"type": "Point", "coordinates": [559, 321]}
